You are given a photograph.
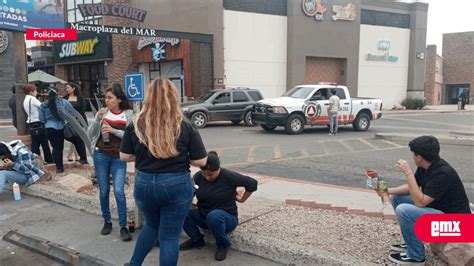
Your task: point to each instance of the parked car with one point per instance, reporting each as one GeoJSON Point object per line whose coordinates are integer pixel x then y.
{"type": "Point", "coordinates": [307, 105]}
{"type": "Point", "coordinates": [222, 105]}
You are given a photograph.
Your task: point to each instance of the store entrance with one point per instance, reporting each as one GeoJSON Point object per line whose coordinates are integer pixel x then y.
{"type": "Point", "coordinates": [91, 78]}
{"type": "Point", "coordinates": [453, 92]}
{"type": "Point", "coordinates": [172, 70]}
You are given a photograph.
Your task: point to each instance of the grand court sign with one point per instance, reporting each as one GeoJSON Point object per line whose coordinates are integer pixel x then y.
{"type": "Point", "coordinates": [89, 10]}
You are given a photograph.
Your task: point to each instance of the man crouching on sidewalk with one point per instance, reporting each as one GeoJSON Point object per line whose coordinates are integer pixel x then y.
{"type": "Point", "coordinates": [434, 188]}
{"type": "Point", "coordinates": [19, 165]}
{"type": "Point", "coordinates": [216, 207]}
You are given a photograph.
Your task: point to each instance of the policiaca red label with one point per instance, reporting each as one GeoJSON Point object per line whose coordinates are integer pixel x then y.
{"type": "Point", "coordinates": [51, 34]}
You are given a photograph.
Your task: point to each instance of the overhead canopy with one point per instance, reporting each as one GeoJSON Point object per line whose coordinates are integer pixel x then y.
{"type": "Point", "coordinates": [42, 76]}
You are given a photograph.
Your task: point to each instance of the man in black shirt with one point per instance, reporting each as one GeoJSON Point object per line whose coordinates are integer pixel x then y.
{"type": "Point", "coordinates": [216, 208]}
{"type": "Point", "coordinates": [435, 188]}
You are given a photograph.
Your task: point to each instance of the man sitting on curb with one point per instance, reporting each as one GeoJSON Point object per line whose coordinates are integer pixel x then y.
{"type": "Point", "coordinates": [19, 165]}
{"type": "Point", "coordinates": [216, 207]}
{"type": "Point", "coordinates": [435, 188]}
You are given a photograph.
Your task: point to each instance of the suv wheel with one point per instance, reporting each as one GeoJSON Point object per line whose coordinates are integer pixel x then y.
{"type": "Point", "coordinates": [294, 124]}
{"type": "Point", "coordinates": [199, 119]}
{"type": "Point", "coordinates": [248, 119]}
{"type": "Point", "coordinates": [267, 127]}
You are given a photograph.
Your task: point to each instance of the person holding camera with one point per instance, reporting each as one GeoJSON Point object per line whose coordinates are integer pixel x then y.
{"type": "Point", "coordinates": [216, 207]}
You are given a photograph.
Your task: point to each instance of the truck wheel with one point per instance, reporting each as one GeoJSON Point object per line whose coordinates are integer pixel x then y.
{"type": "Point", "coordinates": [248, 119]}
{"type": "Point", "coordinates": [267, 127]}
{"type": "Point", "coordinates": [362, 122]}
{"type": "Point", "coordinates": [199, 119]}
{"type": "Point", "coordinates": [294, 124]}
{"type": "Point", "coordinates": [235, 122]}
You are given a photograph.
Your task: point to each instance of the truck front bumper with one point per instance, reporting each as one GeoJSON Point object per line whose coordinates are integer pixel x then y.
{"type": "Point", "coordinates": [269, 119]}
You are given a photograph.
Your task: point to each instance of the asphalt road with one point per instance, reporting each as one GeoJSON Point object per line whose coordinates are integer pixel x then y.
{"type": "Point", "coordinates": [339, 160]}
{"type": "Point", "coordinates": [342, 159]}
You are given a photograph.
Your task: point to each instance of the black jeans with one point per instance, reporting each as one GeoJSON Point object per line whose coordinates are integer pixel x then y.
{"type": "Point", "coordinates": [80, 147]}
{"type": "Point", "coordinates": [41, 140]}
{"type": "Point", "coordinates": [56, 138]}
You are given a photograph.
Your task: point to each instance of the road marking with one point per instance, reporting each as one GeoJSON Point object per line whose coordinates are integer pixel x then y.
{"type": "Point", "coordinates": [392, 143]}
{"type": "Point", "coordinates": [219, 151]}
{"type": "Point", "coordinates": [369, 144]}
{"type": "Point", "coordinates": [429, 122]}
{"type": "Point", "coordinates": [247, 164]}
{"type": "Point", "coordinates": [276, 151]}
{"type": "Point", "coordinates": [414, 129]}
{"type": "Point", "coordinates": [346, 145]}
{"type": "Point", "coordinates": [304, 153]}
{"type": "Point", "coordinates": [251, 154]}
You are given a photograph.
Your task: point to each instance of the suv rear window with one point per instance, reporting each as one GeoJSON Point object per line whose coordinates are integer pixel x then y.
{"type": "Point", "coordinates": [255, 95]}
{"type": "Point", "coordinates": [239, 97]}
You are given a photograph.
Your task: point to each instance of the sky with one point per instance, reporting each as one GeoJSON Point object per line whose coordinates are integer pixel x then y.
{"type": "Point", "coordinates": [444, 16]}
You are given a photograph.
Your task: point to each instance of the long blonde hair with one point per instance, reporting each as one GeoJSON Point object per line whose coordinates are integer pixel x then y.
{"type": "Point", "coordinates": [158, 125]}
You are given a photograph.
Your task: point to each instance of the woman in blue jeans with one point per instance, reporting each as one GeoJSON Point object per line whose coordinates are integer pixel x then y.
{"type": "Point", "coordinates": [106, 134]}
{"type": "Point", "coordinates": [163, 145]}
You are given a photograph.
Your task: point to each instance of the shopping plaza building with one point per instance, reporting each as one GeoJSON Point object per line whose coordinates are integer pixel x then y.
{"type": "Point", "coordinates": [375, 47]}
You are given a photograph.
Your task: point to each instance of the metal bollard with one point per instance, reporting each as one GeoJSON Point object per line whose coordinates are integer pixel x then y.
{"type": "Point", "coordinates": [459, 103]}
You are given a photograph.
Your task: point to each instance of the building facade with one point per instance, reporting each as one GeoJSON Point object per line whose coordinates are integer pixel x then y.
{"type": "Point", "coordinates": [434, 81]}
{"type": "Point", "coordinates": [375, 47]}
{"type": "Point", "coordinates": [458, 71]}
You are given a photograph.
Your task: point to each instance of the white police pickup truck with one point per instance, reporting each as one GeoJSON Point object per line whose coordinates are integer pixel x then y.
{"type": "Point", "coordinates": [307, 105]}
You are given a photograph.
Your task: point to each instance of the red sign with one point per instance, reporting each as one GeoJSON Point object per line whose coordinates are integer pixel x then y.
{"type": "Point", "coordinates": [445, 228]}
{"type": "Point", "coordinates": [51, 34]}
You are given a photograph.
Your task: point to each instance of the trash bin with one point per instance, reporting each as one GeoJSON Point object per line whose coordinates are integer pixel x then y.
{"type": "Point", "coordinates": [459, 103]}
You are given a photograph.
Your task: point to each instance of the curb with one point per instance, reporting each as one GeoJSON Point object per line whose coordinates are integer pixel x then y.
{"type": "Point", "coordinates": [463, 141]}
{"type": "Point", "coordinates": [462, 133]}
{"type": "Point", "coordinates": [51, 250]}
{"type": "Point", "coordinates": [287, 253]}
{"type": "Point", "coordinates": [272, 249]}
{"type": "Point", "coordinates": [325, 206]}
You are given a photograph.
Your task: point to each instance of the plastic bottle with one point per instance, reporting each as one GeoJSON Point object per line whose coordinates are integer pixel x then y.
{"type": "Point", "coordinates": [105, 137]}
{"type": "Point", "coordinates": [16, 191]}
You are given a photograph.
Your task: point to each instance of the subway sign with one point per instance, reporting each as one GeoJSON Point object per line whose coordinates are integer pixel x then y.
{"type": "Point", "coordinates": [87, 47]}
{"type": "Point", "coordinates": [78, 48]}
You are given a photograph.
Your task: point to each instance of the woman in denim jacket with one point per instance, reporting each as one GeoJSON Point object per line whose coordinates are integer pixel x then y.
{"type": "Point", "coordinates": [52, 117]}
{"type": "Point", "coordinates": [106, 132]}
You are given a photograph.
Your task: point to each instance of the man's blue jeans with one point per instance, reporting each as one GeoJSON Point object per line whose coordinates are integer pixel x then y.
{"type": "Point", "coordinates": [407, 213]}
{"type": "Point", "coordinates": [219, 222]}
{"type": "Point", "coordinates": [164, 199]}
{"type": "Point", "coordinates": [10, 177]}
{"type": "Point", "coordinates": [104, 166]}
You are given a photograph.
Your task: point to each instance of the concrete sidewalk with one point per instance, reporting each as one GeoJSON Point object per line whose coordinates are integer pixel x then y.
{"type": "Point", "coordinates": [273, 192]}
{"type": "Point", "coordinates": [444, 108]}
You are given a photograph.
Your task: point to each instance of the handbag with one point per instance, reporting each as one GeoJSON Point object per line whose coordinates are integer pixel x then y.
{"type": "Point", "coordinates": [69, 131]}
{"type": "Point", "coordinates": [35, 128]}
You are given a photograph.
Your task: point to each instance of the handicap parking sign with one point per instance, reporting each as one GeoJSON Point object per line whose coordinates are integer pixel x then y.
{"type": "Point", "coordinates": [134, 83]}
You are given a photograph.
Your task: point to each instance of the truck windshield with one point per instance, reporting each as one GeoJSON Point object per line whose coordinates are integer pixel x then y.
{"type": "Point", "coordinates": [298, 92]}
{"type": "Point", "coordinates": [204, 97]}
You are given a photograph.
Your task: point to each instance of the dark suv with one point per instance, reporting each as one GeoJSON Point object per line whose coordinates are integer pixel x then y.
{"type": "Point", "coordinates": [220, 105]}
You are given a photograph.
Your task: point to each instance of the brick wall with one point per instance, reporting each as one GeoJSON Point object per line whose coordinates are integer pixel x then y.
{"type": "Point", "coordinates": [430, 69]}
{"type": "Point", "coordinates": [458, 55]}
{"type": "Point", "coordinates": [61, 72]}
{"type": "Point", "coordinates": [121, 48]}
{"type": "Point", "coordinates": [320, 69]}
